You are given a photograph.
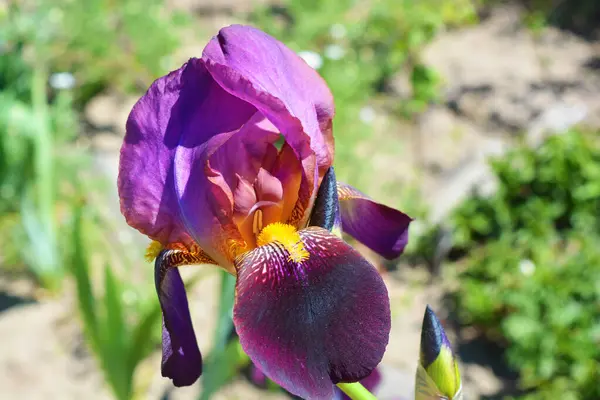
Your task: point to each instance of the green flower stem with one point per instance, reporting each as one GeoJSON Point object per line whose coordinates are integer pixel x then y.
{"type": "Point", "coordinates": [356, 391]}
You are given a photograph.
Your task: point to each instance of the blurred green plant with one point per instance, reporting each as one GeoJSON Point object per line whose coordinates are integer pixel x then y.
{"type": "Point", "coordinates": [226, 356]}
{"type": "Point", "coordinates": [31, 196]}
{"type": "Point", "coordinates": [531, 276]}
{"type": "Point", "coordinates": [120, 335]}
{"type": "Point", "coordinates": [121, 45]}
{"type": "Point", "coordinates": [54, 55]}
{"type": "Point", "coordinates": [359, 47]}
{"type": "Point", "coordinates": [579, 16]}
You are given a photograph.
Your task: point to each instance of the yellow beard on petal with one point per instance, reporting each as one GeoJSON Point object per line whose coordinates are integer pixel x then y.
{"type": "Point", "coordinates": [153, 250]}
{"type": "Point", "coordinates": [287, 236]}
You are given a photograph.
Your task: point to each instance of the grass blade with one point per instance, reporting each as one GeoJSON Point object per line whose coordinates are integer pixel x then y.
{"type": "Point", "coordinates": [218, 366]}
{"type": "Point", "coordinates": [80, 269]}
{"type": "Point", "coordinates": [114, 340]}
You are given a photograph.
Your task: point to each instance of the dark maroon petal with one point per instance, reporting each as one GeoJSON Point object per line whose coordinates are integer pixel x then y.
{"type": "Point", "coordinates": [257, 377]}
{"type": "Point", "coordinates": [181, 359]}
{"type": "Point", "coordinates": [381, 228]}
{"type": "Point", "coordinates": [183, 109]}
{"type": "Point", "coordinates": [314, 323]}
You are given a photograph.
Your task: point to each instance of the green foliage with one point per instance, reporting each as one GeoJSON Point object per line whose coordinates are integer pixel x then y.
{"type": "Point", "coordinates": [222, 363]}
{"type": "Point", "coordinates": [532, 275]}
{"type": "Point", "coordinates": [98, 43]}
{"type": "Point", "coordinates": [362, 45]}
{"type": "Point", "coordinates": [103, 43]}
{"type": "Point", "coordinates": [120, 335]}
{"type": "Point", "coordinates": [45, 175]}
{"type": "Point", "coordinates": [28, 183]}
{"type": "Point", "coordinates": [579, 16]}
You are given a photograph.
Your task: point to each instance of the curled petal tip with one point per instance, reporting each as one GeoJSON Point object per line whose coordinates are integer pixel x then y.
{"type": "Point", "coordinates": [437, 360]}
{"type": "Point", "coordinates": [381, 228]}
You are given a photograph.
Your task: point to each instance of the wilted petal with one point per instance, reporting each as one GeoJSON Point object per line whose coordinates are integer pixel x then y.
{"type": "Point", "coordinates": [437, 375]}
{"type": "Point", "coordinates": [379, 227]}
{"type": "Point", "coordinates": [182, 109]}
{"type": "Point", "coordinates": [181, 359]}
{"type": "Point", "coordinates": [313, 323]}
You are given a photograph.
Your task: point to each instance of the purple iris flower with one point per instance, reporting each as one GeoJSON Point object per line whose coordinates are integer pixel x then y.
{"type": "Point", "coordinates": [203, 173]}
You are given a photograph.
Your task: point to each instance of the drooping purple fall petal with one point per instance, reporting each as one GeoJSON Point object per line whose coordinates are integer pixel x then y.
{"type": "Point", "coordinates": [181, 359]}
{"type": "Point", "coordinates": [381, 228]}
{"type": "Point", "coordinates": [313, 323]}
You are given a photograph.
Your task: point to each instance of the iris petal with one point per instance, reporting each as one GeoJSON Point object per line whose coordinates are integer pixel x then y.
{"type": "Point", "coordinates": [288, 169]}
{"type": "Point", "coordinates": [313, 323]}
{"type": "Point", "coordinates": [205, 189]}
{"type": "Point", "coordinates": [184, 108]}
{"type": "Point", "coordinates": [381, 228]}
{"type": "Point", "coordinates": [181, 359]}
{"type": "Point", "coordinates": [262, 71]}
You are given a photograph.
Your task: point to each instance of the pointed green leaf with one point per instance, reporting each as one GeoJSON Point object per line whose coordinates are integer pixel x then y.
{"type": "Point", "coordinates": [218, 365]}
{"type": "Point", "coordinates": [80, 269]}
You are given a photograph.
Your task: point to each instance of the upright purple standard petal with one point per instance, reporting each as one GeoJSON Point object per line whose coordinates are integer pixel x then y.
{"type": "Point", "coordinates": [381, 228]}
{"type": "Point", "coordinates": [182, 109]}
{"type": "Point", "coordinates": [261, 70]}
{"type": "Point", "coordinates": [313, 323]}
{"type": "Point", "coordinates": [181, 359]}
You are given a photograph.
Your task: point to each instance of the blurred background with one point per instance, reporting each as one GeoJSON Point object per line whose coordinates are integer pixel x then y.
{"type": "Point", "coordinates": [479, 118]}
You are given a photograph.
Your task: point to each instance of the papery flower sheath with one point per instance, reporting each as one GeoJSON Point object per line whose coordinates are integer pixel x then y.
{"type": "Point", "coordinates": [203, 172]}
{"type": "Point", "coordinates": [438, 377]}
